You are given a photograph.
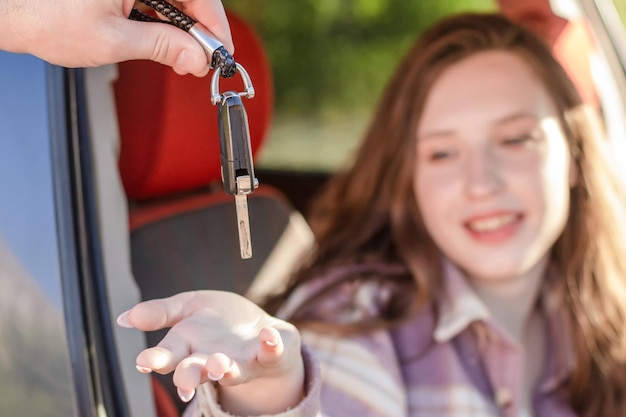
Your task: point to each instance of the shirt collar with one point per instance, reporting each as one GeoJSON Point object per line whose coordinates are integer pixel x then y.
{"type": "Point", "coordinates": [459, 305]}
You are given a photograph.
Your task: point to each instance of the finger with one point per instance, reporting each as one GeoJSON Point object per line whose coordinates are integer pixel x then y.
{"type": "Point", "coordinates": [189, 373]}
{"type": "Point", "coordinates": [164, 357]}
{"type": "Point", "coordinates": [161, 43]}
{"type": "Point", "coordinates": [223, 369]}
{"type": "Point", "coordinates": [211, 14]}
{"type": "Point", "coordinates": [123, 321]}
{"type": "Point", "coordinates": [272, 346]}
{"type": "Point", "coordinates": [217, 365]}
{"type": "Point", "coordinates": [156, 314]}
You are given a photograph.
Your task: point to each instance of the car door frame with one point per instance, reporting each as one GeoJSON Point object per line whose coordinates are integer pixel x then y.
{"type": "Point", "coordinates": [95, 369]}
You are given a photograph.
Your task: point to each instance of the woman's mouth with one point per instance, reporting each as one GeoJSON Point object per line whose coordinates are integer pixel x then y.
{"type": "Point", "coordinates": [493, 228]}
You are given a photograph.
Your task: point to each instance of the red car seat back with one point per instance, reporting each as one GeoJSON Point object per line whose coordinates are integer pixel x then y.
{"type": "Point", "coordinates": [183, 229]}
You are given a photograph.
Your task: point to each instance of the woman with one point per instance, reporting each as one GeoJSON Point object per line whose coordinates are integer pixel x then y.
{"type": "Point", "coordinates": [468, 263]}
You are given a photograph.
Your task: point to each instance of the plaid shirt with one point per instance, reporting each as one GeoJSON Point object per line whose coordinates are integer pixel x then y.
{"type": "Point", "coordinates": [460, 364]}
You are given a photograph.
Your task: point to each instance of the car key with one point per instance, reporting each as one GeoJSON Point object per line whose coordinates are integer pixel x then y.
{"type": "Point", "coordinates": [236, 153]}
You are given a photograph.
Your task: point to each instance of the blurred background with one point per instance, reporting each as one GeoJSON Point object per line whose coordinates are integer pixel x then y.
{"type": "Point", "coordinates": [330, 60]}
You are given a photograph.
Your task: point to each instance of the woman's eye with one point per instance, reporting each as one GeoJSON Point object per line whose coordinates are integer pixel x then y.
{"type": "Point", "coordinates": [440, 155]}
{"type": "Point", "coordinates": [436, 151]}
{"type": "Point", "coordinates": [517, 140]}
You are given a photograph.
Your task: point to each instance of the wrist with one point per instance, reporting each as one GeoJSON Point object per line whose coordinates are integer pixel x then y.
{"type": "Point", "coordinates": [267, 395]}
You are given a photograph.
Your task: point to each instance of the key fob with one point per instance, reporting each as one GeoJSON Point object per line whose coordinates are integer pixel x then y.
{"type": "Point", "coordinates": [236, 153]}
{"type": "Point", "coordinates": [235, 148]}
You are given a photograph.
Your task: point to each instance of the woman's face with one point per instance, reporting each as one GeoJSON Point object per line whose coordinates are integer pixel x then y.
{"type": "Point", "coordinates": [493, 168]}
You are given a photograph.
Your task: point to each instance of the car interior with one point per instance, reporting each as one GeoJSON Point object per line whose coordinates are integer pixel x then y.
{"type": "Point", "coordinates": [158, 170]}
{"type": "Point", "coordinates": [167, 226]}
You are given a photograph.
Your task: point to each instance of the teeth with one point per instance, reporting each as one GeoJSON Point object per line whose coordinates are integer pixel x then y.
{"type": "Point", "coordinates": [492, 223]}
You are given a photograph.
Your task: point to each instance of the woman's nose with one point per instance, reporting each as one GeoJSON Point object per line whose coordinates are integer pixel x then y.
{"type": "Point", "coordinates": [482, 174]}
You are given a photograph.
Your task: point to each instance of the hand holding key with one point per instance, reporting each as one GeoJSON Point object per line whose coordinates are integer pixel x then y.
{"type": "Point", "coordinates": [222, 336]}
{"type": "Point", "coordinates": [235, 148]}
{"type": "Point", "coordinates": [86, 33]}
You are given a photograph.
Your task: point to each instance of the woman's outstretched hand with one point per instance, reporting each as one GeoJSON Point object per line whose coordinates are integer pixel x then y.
{"type": "Point", "coordinates": [222, 336]}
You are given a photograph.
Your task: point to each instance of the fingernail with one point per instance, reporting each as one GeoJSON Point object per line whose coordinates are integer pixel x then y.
{"type": "Point", "coordinates": [186, 396]}
{"type": "Point", "coordinates": [122, 320]}
{"type": "Point", "coordinates": [271, 343]}
{"type": "Point", "coordinates": [143, 369]}
{"type": "Point", "coordinates": [215, 377]}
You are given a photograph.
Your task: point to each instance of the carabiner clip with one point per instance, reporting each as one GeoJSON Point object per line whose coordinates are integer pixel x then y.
{"type": "Point", "coordinates": [248, 92]}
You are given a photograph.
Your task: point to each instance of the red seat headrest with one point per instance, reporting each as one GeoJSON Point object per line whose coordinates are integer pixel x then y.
{"type": "Point", "coordinates": [574, 48]}
{"type": "Point", "coordinates": [168, 126]}
{"type": "Point", "coordinates": [571, 40]}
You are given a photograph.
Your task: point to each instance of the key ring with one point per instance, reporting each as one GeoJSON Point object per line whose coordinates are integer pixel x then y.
{"type": "Point", "coordinates": [220, 59]}
{"type": "Point", "coordinates": [217, 97]}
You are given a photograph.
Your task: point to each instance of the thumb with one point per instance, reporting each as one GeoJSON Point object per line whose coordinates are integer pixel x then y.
{"type": "Point", "coordinates": [165, 44]}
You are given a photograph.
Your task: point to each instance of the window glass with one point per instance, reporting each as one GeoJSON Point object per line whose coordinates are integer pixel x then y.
{"type": "Point", "coordinates": [331, 60]}
{"type": "Point", "coordinates": [34, 362]}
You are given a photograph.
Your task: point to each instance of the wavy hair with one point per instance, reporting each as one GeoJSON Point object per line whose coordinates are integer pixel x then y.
{"type": "Point", "coordinates": [367, 215]}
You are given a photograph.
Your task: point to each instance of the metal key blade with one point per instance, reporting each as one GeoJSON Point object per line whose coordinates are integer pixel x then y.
{"type": "Point", "coordinates": [243, 220]}
{"type": "Point", "coordinates": [243, 226]}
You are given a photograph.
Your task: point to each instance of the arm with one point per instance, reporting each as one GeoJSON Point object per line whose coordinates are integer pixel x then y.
{"type": "Point", "coordinates": [360, 374]}
{"type": "Point", "coordinates": [84, 33]}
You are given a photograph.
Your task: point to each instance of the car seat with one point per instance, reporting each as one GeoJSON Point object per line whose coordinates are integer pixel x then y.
{"type": "Point", "coordinates": [183, 233]}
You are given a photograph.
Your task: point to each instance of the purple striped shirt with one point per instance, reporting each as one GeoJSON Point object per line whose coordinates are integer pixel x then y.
{"type": "Point", "coordinates": [459, 364]}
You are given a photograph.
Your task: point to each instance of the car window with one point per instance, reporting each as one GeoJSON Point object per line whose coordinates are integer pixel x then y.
{"type": "Point", "coordinates": [34, 361]}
